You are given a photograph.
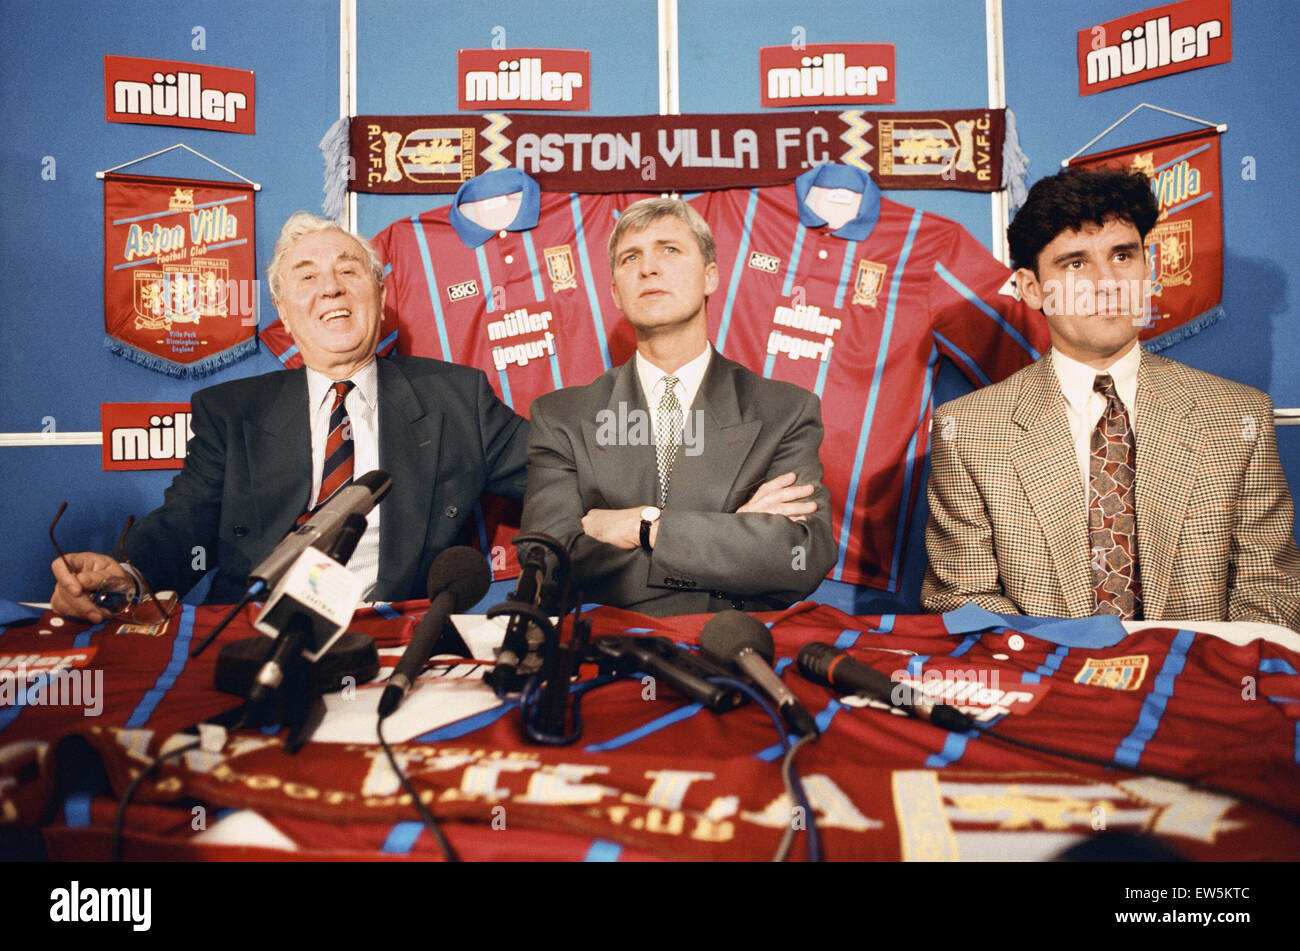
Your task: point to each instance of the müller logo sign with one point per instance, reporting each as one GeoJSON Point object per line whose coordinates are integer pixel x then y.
{"type": "Point", "coordinates": [524, 79]}
{"type": "Point", "coordinates": [192, 95]}
{"type": "Point", "coordinates": [826, 72]}
{"type": "Point", "coordinates": [1155, 42]}
{"type": "Point", "coordinates": [144, 435]}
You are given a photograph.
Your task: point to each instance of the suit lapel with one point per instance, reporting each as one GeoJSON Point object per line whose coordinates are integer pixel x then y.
{"type": "Point", "coordinates": [278, 445]}
{"type": "Point", "coordinates": [703, 480]}
{"type": "Point", "coordinates": [410, 442]}
{"type": "Point", "coordinates": [620, 446]}
{"type": "Point", "coordinates": [1168, 449]}
{"type": "Point", "coordinates": [1045, 460]}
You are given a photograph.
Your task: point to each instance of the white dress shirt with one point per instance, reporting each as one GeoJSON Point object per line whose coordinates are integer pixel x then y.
{"type": "Point", "coordinates": [689, 378]}
{"type": "Point", "coordinates": [1084, 405]}
{"type": "Point", "coordinates": [363, 410]}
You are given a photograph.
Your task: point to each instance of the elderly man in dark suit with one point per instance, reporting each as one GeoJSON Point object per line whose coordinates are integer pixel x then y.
{"type": "Point", "coordinates": [681, 481]}
{"type": "Point", "coordinates": [1104, 479]}
{"type": "Point", "coordinates": [267, 449]}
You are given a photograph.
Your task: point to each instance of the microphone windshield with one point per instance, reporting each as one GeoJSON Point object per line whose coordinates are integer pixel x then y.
{"type": "Point", "coordinates": [463, 572]}
{"type": "Point", "coordinates": [729, 632]}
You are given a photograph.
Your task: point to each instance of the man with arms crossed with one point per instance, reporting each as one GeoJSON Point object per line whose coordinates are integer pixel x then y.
{"type": "Point", "coordinates": [1104, 479]}
{"type": "Point", "coordinates": [267, 449]}
{"type": "Point", "coordinates": [680, 482]}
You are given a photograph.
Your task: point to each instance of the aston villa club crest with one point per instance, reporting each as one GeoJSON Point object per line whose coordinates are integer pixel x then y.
{"type": "Point", "coordinates": [559, 265]}
{"type": "Point", "coordinates": [1117, 673]}
{"type": "Point", "coordinates": [183, 294]}
{"type": "Point", "coordinates": [1169, 246]}
{"type": "Point", "coordinates": [426, 156]}
{"type": "Point", "coordinates": [866, 288]}
{"type": "Point", "coordinates": [924, 147]}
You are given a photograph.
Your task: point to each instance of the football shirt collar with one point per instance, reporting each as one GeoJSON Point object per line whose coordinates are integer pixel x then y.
{"type": "Point", "coordinates": [840, 176]}
{"type": "Point", "coordinates": [503, 181]}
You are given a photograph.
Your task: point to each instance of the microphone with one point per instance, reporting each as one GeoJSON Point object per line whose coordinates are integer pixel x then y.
{"type": "Point", "coordinates": [357, 497]}
{"type": "Point", "coordinates": [458, 580]}
{"type": "Point", "coordinates": [831, 667]}
{"type": "Point", "coordinates": [310, 608]}
{"type": "Point", "coordinates": [733, 638]}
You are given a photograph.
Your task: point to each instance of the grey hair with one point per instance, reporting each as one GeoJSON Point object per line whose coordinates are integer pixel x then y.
{"type": "Point", "coordinates": [303, 223]}
{"type": "Point", "coordinates": [644, 213]}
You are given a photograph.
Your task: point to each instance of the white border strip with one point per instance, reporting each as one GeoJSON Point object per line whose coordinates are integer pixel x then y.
{"type": "Point", "coordinates": [670, 103]}
{"type": "Point", "coordinates": [348, 86]}
{"type": "Point", "coordinates": [51, 439]}
{"type": "Point", "coordinates": [998, 201]}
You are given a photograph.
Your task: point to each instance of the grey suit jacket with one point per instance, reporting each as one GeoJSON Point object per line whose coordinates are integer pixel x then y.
{"type": "Point", "coordinates": [1008, 519]}
{"type": "Point", "coordinates": [706, 556]}
{"type": "Point", "coordinates": [444, 438]}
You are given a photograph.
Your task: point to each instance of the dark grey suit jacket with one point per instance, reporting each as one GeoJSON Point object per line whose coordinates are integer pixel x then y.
{"type": "Point", "coordinates": [706, 556]}
{"type": "Point", "coordinates": [444, 438]}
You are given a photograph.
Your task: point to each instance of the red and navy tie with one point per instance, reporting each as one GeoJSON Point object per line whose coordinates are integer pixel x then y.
{"type": "Point", "coordinates": [339, 458]}
{"type": "Point", "coordinates": [1112, 514]}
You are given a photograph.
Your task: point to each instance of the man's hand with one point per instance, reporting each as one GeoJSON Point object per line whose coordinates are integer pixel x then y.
{"type": "Point", "coordinates": [90, 572]}
{"type": "Point", "coordinates": [622, 527]}
{"type": "Point", "coordinates": [781, 496]}
{"type": "Point", "coordinates": [618, 527]}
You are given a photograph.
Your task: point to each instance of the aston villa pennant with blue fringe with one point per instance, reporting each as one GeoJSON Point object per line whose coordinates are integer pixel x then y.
{"type": "Point", "coordinates": [180, 290]}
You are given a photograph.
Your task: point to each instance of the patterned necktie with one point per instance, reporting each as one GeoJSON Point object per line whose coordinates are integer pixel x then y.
{"type": "Point", "coordinates": [668, 434]}
{"type": "Point", "coordinates": [1112, 515]}
{"type": "Point", "coordinates": [339, 459]}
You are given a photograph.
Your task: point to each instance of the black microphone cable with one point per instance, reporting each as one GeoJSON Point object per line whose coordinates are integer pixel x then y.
{"type": "Point", "coordinates": [119, 820]}
{"type": "Point", "coordinates": [789, 774]}
{"type": "Point", "coordinates": [426, 816]}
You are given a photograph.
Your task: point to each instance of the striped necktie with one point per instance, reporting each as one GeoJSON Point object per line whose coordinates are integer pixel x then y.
{"type": "Point", "coordinates": [339, 459]}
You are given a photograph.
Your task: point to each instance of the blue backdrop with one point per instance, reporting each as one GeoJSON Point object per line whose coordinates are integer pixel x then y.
{"type": "Point", "coordinates": [54, 371]}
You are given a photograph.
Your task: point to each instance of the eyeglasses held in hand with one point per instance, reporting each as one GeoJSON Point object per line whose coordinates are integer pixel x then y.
{"type": "Point", "coordinates": [120, 597]}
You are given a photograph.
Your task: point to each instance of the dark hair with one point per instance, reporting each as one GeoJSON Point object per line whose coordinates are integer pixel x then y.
{"type": "Point", "coordinates": [1073, 198]}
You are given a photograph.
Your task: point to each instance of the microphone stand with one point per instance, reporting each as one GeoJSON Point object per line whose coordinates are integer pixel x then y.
{"type": "Point", "coordinates": [519, 656]}
{"type": "Point", "coordinates": [560, 660]}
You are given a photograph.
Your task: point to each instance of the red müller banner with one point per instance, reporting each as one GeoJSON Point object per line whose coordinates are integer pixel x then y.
{"type": "Point", "coordinates": [1156, 42]}
{"type": "Point", "coordinates": [191, 95]}
{"type": "Point", "coordinates": [180, 288]}
{"type": "Point", "coordinates": [835, 73]}
{"type": "Point", "coordinates": [144, 435]}
{"type": "Point", "coordinates": [1185, 248]}
{"type": "Point", "coordinates": [524, 79]}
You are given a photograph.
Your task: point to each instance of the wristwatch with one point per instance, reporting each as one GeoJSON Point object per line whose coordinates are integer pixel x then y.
{"type": "Point", "coordinates": [649, 515]}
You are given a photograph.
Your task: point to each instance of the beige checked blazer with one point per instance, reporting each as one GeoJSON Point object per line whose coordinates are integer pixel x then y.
{"type": "Point", "coordinates": [1008, 519]}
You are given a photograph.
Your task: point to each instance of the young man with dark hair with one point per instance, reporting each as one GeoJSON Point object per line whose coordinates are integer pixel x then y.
{"type": "Point", "coordinates": [1104, 479]}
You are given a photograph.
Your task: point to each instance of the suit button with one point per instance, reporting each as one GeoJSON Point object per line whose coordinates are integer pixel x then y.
{"type": "Point", "coordinates": [241, 531]}
{"type": "Point", "coordinates": [451, 511]}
